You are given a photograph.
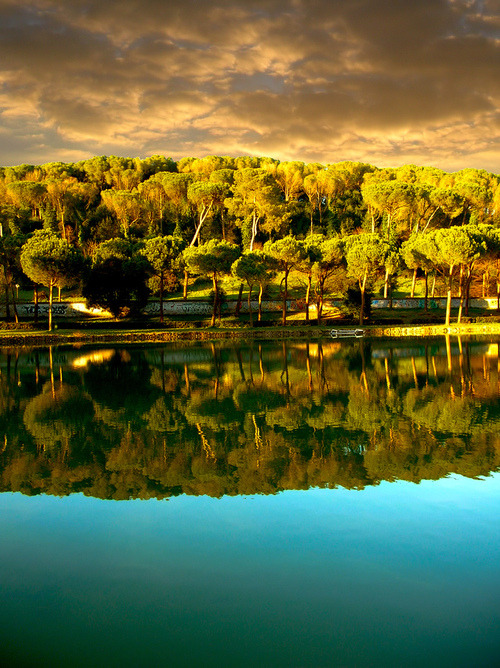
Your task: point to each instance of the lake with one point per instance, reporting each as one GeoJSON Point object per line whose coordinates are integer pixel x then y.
{"type": "Point", "coordinates": [259, 504]}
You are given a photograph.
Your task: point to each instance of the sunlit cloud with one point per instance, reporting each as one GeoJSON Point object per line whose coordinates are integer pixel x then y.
{"type": "Point", "coordinates": [381, 81]}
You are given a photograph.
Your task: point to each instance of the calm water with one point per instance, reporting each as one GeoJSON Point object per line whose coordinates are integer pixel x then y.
{"type": "Point", "coordinates": [273, 505]}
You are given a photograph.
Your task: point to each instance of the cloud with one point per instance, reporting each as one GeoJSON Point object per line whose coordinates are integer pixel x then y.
{"type": "Point", "coordinates": [381, 81]}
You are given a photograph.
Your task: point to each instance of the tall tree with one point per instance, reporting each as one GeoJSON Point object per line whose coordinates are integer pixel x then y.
{"type": "Point", "coordinates": [290, 178]}
{"type": "Point", "coordinates": [413, 253]}
{"type": "Point", "coordinates": [391, 199]}
{"type": "Point", "coordinates": [161, 253]}
{"type": "Point", "coordinates": [365, 254]}
{"type": "Point", "coordinates": [204, 196]}
{"type": "Point", "coordinates": [213, 259]}
{"type": "Point", "coordinates": [10, 249]}
{"type": "Point", "coordinates": [449, 248]}
{"type": "Point", "coordinates": [51, 261]}
{"type": "Point", "coordinates": [252, 267]}
{"type": "Point", "coordinates": [287, 253]}
{"type": "Point", "coordinates": [30, 194]}
{"type": "Point", "coordinates": [117, 278]}
{"type": "Point", "coordinates": [126, 205]}
{"type": "Point", "coordinates": [329, 261]}
{"type": "Point", "coordinates": [310, 255]}
{"type": "Point", "coordinates": [255, 200]}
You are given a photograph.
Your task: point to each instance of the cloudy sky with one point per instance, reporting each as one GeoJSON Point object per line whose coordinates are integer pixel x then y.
{"type": "Point", "coordinates": [382, 81]}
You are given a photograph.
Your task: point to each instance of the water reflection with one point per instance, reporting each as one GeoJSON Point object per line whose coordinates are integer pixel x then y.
{"type": "Point", "coordinates": [215, 419]}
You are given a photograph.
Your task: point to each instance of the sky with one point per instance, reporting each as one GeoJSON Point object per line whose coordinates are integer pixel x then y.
{"type": "Point", "coordinates": [388, 82]}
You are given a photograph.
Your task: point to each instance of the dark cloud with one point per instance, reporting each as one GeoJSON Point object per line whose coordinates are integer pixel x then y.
{"type": "Point", "coordinates": [383, 81]}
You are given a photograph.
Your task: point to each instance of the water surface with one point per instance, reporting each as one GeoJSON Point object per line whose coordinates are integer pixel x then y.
{"type": "Point", "coordinates": [281, 504]}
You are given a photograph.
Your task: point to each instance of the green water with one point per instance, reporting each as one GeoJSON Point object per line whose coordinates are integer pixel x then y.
{"type": "Point", "coordinates": [269, 505]}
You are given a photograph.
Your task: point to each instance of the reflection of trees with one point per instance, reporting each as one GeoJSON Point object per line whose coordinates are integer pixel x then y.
{"type": "Point", "coordinates": [121, 384]}
{"type": "Point", "coordinates": [447, 414]}
{"type": "Point", "coordinates": [277, 417]}
{"type": "Point", "coordinates": [217, 414]}
{"type": "Point", "coordinates": [56, 416]}
{"type": "Point", "coordinates": [161, 417]}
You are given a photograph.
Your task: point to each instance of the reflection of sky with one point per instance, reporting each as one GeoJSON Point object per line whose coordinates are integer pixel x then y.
{"type": "Point", "coordinates": [391, 575]}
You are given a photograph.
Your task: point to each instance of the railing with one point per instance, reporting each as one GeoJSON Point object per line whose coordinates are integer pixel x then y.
{"type": "Point", "coordinates": [347, 333]}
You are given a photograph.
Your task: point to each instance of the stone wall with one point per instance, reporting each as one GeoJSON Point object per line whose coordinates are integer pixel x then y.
{"type": "Point", "coordinates": [204, 308]}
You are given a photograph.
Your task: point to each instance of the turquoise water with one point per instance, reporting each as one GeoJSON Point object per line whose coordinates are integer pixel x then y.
{"type": "Point", "coordinates": [390, 572]}
{"type": "Point", "coordinates": [399, 574]}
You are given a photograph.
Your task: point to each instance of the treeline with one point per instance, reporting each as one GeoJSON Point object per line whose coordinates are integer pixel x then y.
{"type": "Point", "coordinates": [116, 222]}
{"type": "Point", "coordinates": [157, 422]}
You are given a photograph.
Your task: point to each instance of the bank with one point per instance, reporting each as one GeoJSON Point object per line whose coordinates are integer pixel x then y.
{"type": "Point", "coordinates": [29, 337]}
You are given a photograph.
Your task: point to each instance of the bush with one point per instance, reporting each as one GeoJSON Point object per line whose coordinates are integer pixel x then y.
{"type": "Point", "coordinates": [17, 326]}
{"type": "Point", "coordinates": [485, 319]}
{"type": "Point", "coordinates": [352, 303]}
{"type": "Point", "coordinates": [426, 320]}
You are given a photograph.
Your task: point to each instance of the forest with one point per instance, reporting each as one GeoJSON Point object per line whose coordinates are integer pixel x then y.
{"type": "Point", "coordinates": [120, 230]}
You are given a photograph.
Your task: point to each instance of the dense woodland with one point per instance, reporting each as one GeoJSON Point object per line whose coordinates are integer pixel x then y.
{"type": "Point", "coordinates": [121, 228]}
{"type": "Point", "coordinates": [161, 421]}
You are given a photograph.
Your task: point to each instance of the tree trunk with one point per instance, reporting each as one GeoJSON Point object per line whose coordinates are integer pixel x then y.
{"type": "Point", "coordinates": [250, 304]}
{"type": "Point", "coordinates": [255, 220]}
{"type": "Point", "coordinates": [308, 296]}
{"type": "Point", "coordinates": [161, 297]}
{"type": "Point", "coordinates": [238, 303]}
{"type": "Point", "coordinates": [63, 227]}
{"type": "Point", "coordinates": [285, 296]}
{"type": "Point", "coordinates": [203, 215]}
{"type": "Point", "coordinates": [460, 307]}
{"type": "Point", "coordinates": [216, 295]}
{"type": "Point", "coordinates": [319, 301]}
{"type": "Point", "coordinates": [362, 286]}
{"type": "Point", "coordinates": [14, 304]}
{"type": "Point", "coordinates": [261, 292]}
{"type": "Point", "coordinates": [386, 284]}
{"type": "Point", "coordinates": [51, 295]}
{"type": "Point", "coordinates": [35, 295]}
{"type": "Point", "coordinates": [433, 291]}
{"type": "Point", "coordinates": [468, 282]}
{"type": "Point", "coordinates": [448, 297]}
{"type": "Point", "coordinates": [413, 283]}
{"type": "Point", "coordinates": [7, 299]}
{"type": "Point", "coordinates": [185, 287]}
{"type": "Point", "coordinates": [426, 300]}
{"type": "Point", "coordinates": [216, 290]}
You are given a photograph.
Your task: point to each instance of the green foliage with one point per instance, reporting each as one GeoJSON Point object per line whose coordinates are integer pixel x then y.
{"type": "Point", "coordinates": [365, 254]}
{"type": "Point", "coordinates": [119, 248]}
{"type": "Point", "coordinates": [353, 302]}
{"type": "Point", "coordinates": [117, 279]}
{"type": "Point", "coordinates": [211, 260]}
{"type": "Point", "coordinates": [51, 261]}
{"type": "Point", "coordinates": [161, 253]}
{"type": "Point", "coordinates": [252, 267]}
{"type": "Point", "coordinates": [254, 201]}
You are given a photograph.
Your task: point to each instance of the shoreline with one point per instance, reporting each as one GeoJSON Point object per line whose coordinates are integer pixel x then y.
{"type": "Point", "coordinates": [44, 337]}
